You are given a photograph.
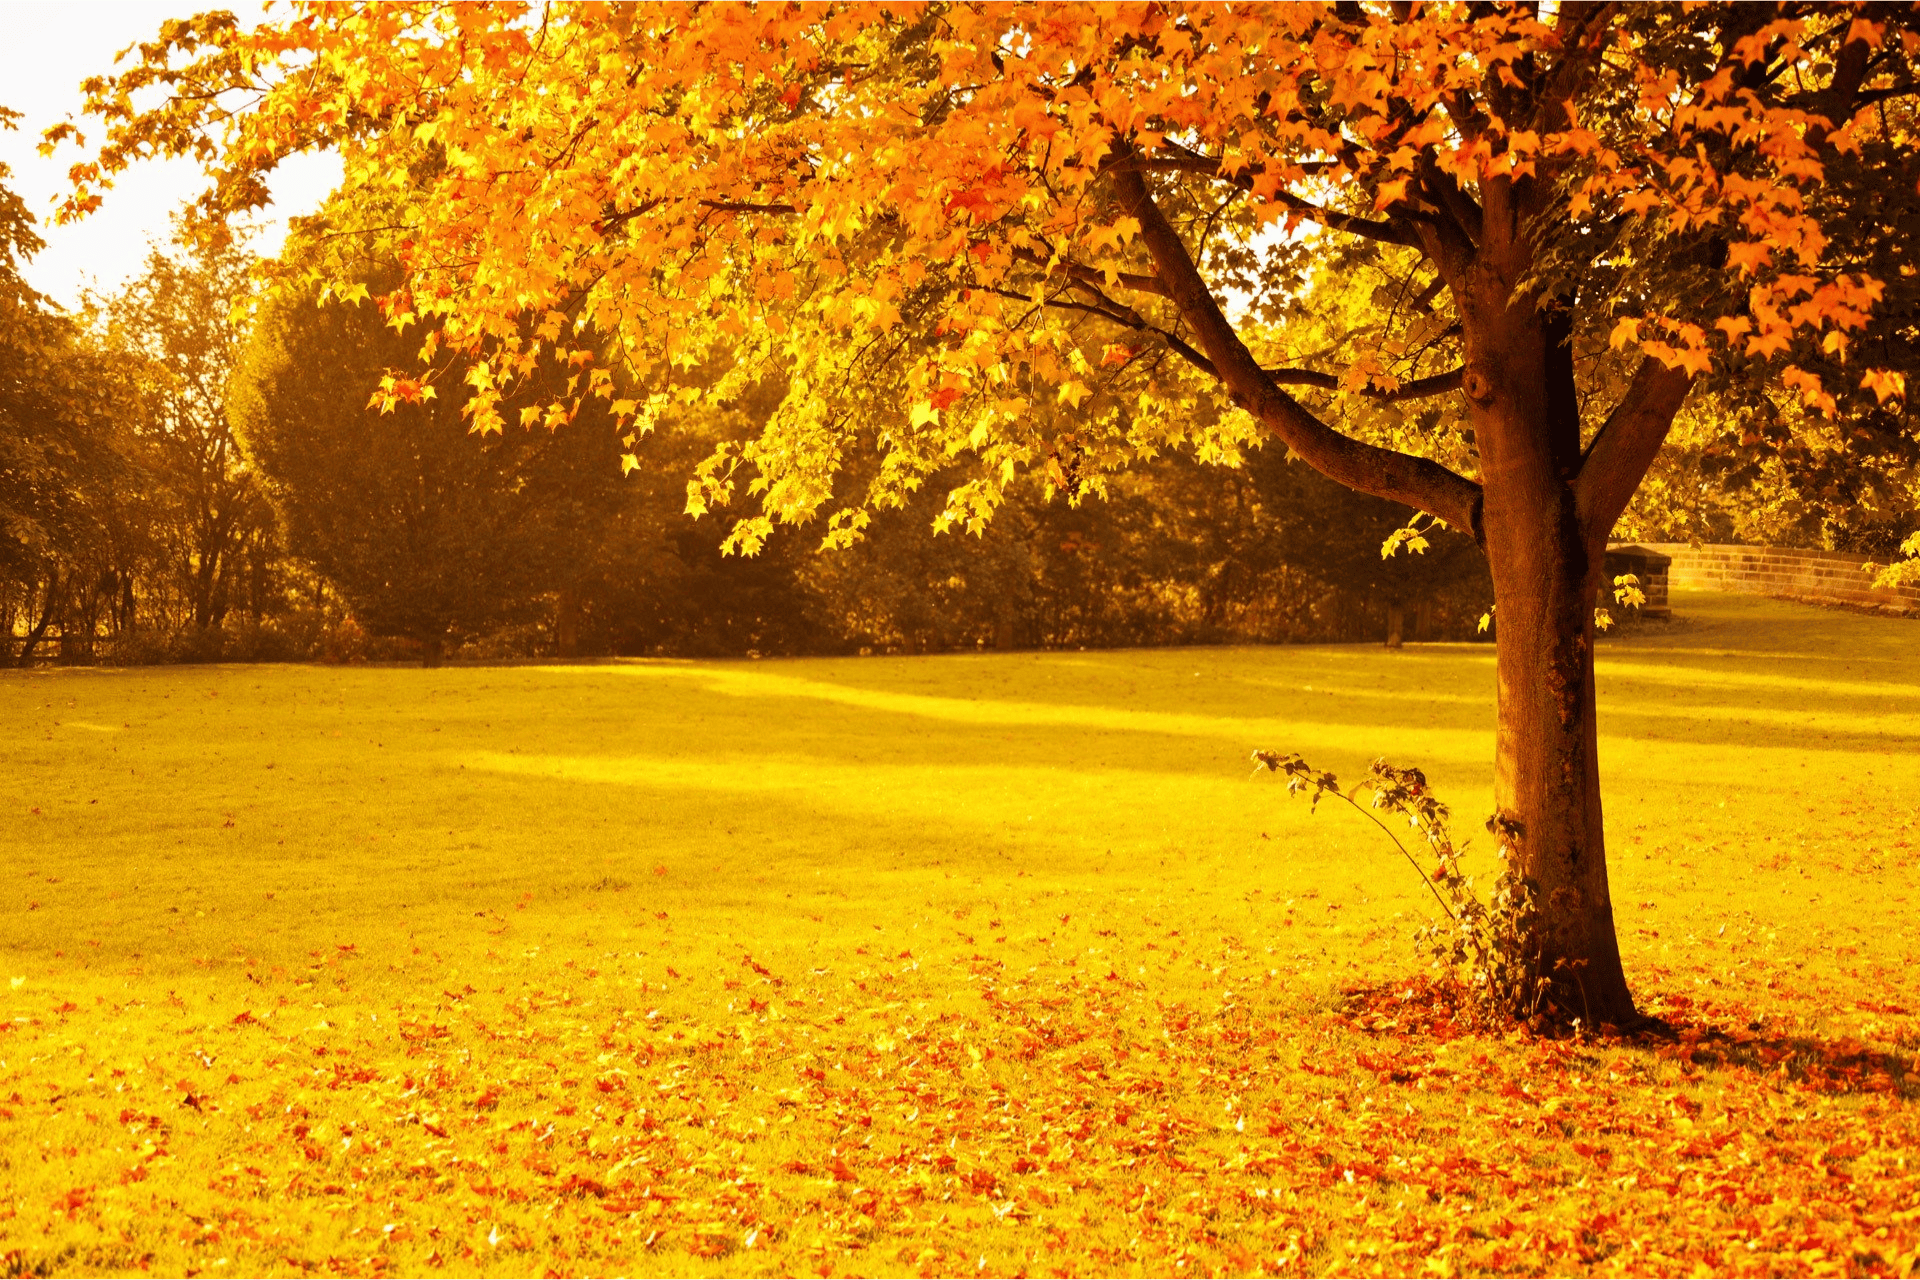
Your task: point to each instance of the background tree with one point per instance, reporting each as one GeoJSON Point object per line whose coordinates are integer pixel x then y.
{"type": "Point", "coordinates": [931, 219]}
{"type": "Point", "coordinates": [64, 477]}
{"type": "Point", "coordinates": [428, 532]}
{"type": "Point", "coordinates": [183, 318]}
{"type": "Point", "coordinates": [1176, 553]}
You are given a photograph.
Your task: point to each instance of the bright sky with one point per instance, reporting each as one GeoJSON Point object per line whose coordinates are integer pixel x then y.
{"type": "Point", "coordinates": [50, 47]}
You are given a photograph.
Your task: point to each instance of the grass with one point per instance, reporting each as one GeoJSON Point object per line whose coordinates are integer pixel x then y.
{"type": "Point", "coordinates": [965, 964]}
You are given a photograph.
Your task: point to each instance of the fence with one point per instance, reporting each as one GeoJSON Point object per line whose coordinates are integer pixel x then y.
{"type": "Point", "coordinates": [1817, 577]}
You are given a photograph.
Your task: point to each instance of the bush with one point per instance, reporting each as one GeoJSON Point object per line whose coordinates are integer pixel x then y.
{"type": "Point", "coordinates": [1484, 945]}
{"type": "Point", "coordinates": [238, 638]}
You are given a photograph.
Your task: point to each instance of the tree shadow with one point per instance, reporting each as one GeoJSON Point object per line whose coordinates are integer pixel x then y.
{"type": "Point", "coordinates": [1676, 1028]}
{"type": "Point", "coordinates": [1713, 1035]}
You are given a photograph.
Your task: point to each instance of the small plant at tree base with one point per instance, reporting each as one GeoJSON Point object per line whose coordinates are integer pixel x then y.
{"type": "Point", "coordinates": [1486, 943]}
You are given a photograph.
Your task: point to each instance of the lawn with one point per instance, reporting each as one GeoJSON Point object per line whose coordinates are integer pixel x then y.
{"type": "Point", "coordinates": [970, 964]}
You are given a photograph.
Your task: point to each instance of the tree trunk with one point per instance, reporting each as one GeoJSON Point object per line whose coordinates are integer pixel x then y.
{"type": "Point", "coordinates": [1546, 761]}
{"type": "Point", "coordinates": [203, 582]}
{"type": "Point", "coordinates": [566, 622]}
{"type": "Point", "coordinates": [49, 606]}
{"type": "Point", "coordinates": [1396, 623]}
{"type": "Point", "coordinates": [1547, 774]}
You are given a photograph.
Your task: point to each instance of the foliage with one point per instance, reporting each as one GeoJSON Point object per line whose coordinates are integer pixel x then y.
{"type": "Point", "coordinates": [65, 480]}
{"type": "Point", "coordinates": [737, 183]}
{"type": "Point", "coordinates": [130, 527]}
{"type": "Point", "coordinates": [208, 531]}
{"type": "Point", "coordinates": [426, 531]}
{"type": "Point", "coordinates": [1176, 553]}
{"type": "Point", "coordinates": [1215, 1058]}
{"type": "Point", "coordinates": [1773, 474]}
{"type": "Point", "coordinates": [1752, 463]}
{"type": "Point", "coordinates": [1904, 571]}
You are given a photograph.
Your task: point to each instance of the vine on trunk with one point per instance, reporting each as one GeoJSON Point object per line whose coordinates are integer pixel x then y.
{"type": "Point", "coordinates": [1489, 945]}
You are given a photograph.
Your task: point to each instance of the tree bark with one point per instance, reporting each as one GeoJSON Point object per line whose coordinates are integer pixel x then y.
{"type": "Point", "coordinates": [1546, 562]}
{"type": "Point", "coordinates": [1546, 757]}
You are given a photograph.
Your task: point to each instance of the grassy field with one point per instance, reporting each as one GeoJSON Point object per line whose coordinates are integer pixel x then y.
{"type": "Point", "coordinates": [965, 965]}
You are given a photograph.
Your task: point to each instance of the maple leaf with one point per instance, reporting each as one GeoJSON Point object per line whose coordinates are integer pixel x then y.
{"type": "Point", "coordinates": [1749, 255]}
{"type": "Point", "coordinates": [1391, 192]}
{"type": "Point", "coordinates": [1073, 392]}
{"type": "Point", "coordinates": [1113, 235]}
{"type": "Point", "coordinates": [1886, 384]}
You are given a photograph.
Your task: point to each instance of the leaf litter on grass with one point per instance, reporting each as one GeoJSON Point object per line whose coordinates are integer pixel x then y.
{"type": "Point", "coordinates": [1039, 1109]}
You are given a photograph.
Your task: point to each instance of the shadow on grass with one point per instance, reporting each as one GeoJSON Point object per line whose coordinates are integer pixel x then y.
{"type": "Point", "coordinates": [1679, 1028]}
{"type": "Point", "coordinates": [1354, 696]}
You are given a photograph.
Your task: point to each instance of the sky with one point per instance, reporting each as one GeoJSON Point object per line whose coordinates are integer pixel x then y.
{"type": "Point", "coordinates": [51, 46]}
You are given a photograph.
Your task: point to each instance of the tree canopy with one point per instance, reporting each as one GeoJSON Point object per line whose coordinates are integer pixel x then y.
{"type": "Point", "coordinates": [815, 186]}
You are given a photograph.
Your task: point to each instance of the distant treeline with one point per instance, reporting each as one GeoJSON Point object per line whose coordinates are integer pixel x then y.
{"type": "Point", "coordinates": [177, 486]}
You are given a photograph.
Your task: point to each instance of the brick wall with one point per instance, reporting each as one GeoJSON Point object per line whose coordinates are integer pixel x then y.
{"type": "Point", "coordinates": [1820, 577]}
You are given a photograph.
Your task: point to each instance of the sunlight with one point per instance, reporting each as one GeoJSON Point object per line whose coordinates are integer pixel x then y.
{"type": "Point", "coordinates": [738, 683]}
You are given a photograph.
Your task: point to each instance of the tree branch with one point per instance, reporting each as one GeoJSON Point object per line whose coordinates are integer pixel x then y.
{"type": "Point", "coordinates": [1384, 473]}
{"type": "Point", "coordinates": [1090, 275]}
{"type": "Point", "coordinates": [1181, 160]}
{"type": "Point", "coordinates": [1438, 384]}
{"type": "Point", "coordinates": [1366, 228]}
{"type": "Point", "coordinates": [1841, 98]}
{"type": "Point", "coordinates": [1125, 317]}
{"type": "Point", "coordinates": [1619, 455]}
{"type": "Point", "coordinates": [618, 219]}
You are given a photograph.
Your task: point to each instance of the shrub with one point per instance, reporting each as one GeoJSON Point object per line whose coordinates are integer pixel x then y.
{"type": "Point", "coordinates": [1485, 944]}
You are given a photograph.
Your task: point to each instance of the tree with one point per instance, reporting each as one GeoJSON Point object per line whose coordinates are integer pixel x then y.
{"type": "Point", "coordinates": [935, 217]}
{"type": "Point", "coordinates": [179, 320]}
{"type": "Point", "coordinates": [427, 532]}
{"type": "Point", "coordinates": [64, 477]}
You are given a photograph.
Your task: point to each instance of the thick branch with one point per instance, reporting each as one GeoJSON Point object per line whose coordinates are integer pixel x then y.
{"type": "Point", "coordinates": [1438, 384]}
{"type": "Point", "coordinates": [1626, 445]}
{"type": "Point", "coordinates": [1849, 71]}
{"type": "Point", "coordinates": [1384, 473]}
